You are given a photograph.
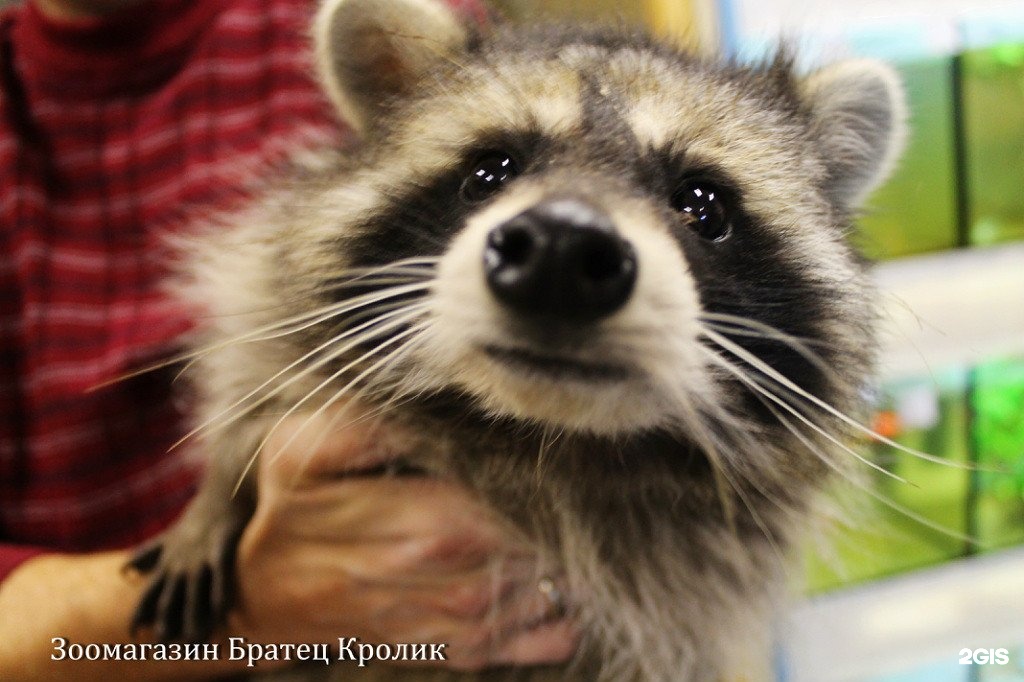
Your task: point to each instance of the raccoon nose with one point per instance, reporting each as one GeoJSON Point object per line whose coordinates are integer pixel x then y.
{"type": "Point", "coordinates": [561, 258]}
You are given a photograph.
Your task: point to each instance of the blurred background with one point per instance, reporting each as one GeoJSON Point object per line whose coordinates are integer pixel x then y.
{"type": "Point", "coordinates": [897, 590]}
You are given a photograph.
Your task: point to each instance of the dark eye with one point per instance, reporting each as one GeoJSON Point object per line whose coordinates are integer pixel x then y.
{"type": "Point", "coordinates": [489, 173]}
{"type": "Point", "coordinates": [703, 208]}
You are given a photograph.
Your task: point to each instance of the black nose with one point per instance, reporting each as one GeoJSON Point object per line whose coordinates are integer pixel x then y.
{"type": "Point", "coordinates": [560, 258]}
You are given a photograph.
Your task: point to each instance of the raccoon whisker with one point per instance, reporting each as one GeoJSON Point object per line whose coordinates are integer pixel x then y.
{"type": "Point", "coordinates": [547, 441]}
{"type": "Point", "coordinates": [393, 389]}
{"type": "Point", "coordinates": [769, 371]}
{"type": "Point", "coordinates": [757, 386]}
{"type": "Point", "coordinates": [408, 298]}
{"type": "Point", "coordinates": [298, 376]}
{"type": "Point", "coordinates": [753, 328]}
{"type": "Point", "coordinates": [253, 336]}
{"type": "Point", "coordinates": [303, 322]}
{"type": "Point", "coordinates": [696, 428]}
{"type": "Point", "coordinates": [213, 425]}
{"type": "Point", "coordinates": [396, 400]}
{"type": "Point", "coordinates": [412, 267]}
{"type": "Point", "coordinates": [350, 320]}
{"type": "Point", "coordinates": [855, 482]}
{"type": "Point", "coordinates": [756, 329]}
{"type": "Point", "coordinates": [388, 357]}
{"type": "Point", "coordinates": [312, 318]}
{"type": "Point", "coordinates": [784, 303]}
{"type": "Point", "coordinates": [711, 448]}
{"type": "Point", "coordinates": [810, 356]}
{"type": "Point", "coordinates": [357, 398]}
{"type": "Point", "coordinates": [406, 270]}
{"type": "Point", "coordinates": [248, 337]}
{"type": "Point", "coordinates": [364, 280]}
{"type": "Point", "coordinates": [751, 323]}
{"type": "Point", "coordinates": [294, 408]}
{"type": "Point", "coordinates": [366, 331]}
{"type": "Point", "coordinates": [401, 262]}
{"type": "Point", "coordinates": [382, 280]}
{"type": "Point", "coordinates": [338, 395]}
{"type": "Point", "coordinates": [340, 372]}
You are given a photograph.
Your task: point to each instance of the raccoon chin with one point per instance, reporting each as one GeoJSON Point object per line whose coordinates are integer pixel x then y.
{"type": "Point", "coordinates": [557, 367]}
{"type": "Point", "coordinates": [561, 392]}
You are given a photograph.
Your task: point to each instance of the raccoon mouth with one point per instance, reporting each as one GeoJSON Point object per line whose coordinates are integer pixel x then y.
{"type": "Point", "coordinates": [558, 367]}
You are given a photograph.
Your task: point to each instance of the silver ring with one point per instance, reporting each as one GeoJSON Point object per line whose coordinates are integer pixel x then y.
{"type": "Point", "coordinates": [556, 600]}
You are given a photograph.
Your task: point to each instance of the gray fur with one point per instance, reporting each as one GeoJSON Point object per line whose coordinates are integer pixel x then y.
{"type": "Point", "coordinates": [860, 117]}
{"type": "Point", "coordinates": [670, 499]}
{"type": "Point", "coordinates": [370, 53]}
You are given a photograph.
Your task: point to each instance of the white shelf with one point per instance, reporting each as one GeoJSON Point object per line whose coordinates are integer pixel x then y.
{"type": "Point", "coordinates": [921, 619]}
{"type": "Point", "coordinates": [951, 309]}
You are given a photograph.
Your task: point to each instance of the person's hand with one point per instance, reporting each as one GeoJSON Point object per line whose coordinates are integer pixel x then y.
{"type": "Point", "coordinates": [332, 552]}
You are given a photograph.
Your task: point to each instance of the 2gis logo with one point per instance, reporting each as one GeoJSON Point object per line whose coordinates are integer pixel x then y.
{"type": "Point", "coordinates": [984, 657]}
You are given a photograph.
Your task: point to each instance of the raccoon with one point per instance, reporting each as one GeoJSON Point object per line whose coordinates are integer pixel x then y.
{"type": "Point", "coordinates": [608, 281]}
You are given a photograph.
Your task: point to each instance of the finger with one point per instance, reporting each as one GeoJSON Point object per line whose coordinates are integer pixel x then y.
{"type": "Point", "coordinates": [401, 509]}
{"type": "Point", "coordinates": [546, 644]}
{"type": "Point", "coordinates": [549, 643]}
{"type": "Point", "coordinates": [478, 621]}
{"type": "Point", "coordinates": [529, 606]}
{"type": "Point", "coordinates": [433, 577]}
{"type": "Point", "coordinates": [470, 598]}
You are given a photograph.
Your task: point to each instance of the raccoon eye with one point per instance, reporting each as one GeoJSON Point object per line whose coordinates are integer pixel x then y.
{"type": "Point", "coordinates": [702, 207]}
{"type": "Point", "coordinates": [490, 172]}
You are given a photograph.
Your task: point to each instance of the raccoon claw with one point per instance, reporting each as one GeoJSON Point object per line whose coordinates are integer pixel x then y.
{"type": "Point", "coordinates": [146, 559]}
{"type": "Point", "coordinates": [145, 612]}
{"type": "Point", "coordinates": [178, 607]}
{"type": "Point", "coordinates": [185, 600]}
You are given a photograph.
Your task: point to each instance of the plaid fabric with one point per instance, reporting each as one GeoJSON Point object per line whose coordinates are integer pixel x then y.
{"type": "Point", "coordinates": [113, 133]}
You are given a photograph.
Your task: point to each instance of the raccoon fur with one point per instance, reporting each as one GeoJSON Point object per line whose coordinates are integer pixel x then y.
{"type": "Point", "coordinates": [607, 281]}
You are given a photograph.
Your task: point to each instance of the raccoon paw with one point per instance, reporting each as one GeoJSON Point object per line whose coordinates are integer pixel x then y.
{"type": "Point", "coordinates": [192, 585]}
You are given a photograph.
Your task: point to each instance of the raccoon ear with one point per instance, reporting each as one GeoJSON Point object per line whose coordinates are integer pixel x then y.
{"type": "Point", "coordinates": [368, 51]}
{"type": "Point", "coordinates": [859, 118]}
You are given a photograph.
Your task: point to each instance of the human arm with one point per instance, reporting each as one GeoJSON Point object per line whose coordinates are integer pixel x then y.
{"type": "Point", "coordinates": [388, 560]}
{"type": "Point", "coordinates": [84, 599]}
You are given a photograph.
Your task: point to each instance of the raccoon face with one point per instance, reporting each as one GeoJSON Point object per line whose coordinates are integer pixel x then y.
{"type": "Point", "coordinates": [612, 225]}
{"type": "Point", "coordinates": [543, 302]}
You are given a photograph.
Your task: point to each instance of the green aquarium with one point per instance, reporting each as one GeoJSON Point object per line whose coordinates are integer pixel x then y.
{"type": "Point", "coordinates": [997, 439]}
{"type": "Point", "coordinates": [993, 106]}
{"type": "Point", "coordinates": [971, 419]}
{"type": "Point", "coordinates": [900, 525]}
{"type": "Point", "coordinates": [915, 211]}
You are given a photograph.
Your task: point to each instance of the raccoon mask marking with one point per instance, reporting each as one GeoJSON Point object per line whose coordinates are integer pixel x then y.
{"type": "Point", "coordinates": [606, 280]}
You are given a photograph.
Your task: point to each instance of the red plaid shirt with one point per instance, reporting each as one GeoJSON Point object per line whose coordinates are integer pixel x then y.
{"type": "Point", "coordinates": [111, 133]}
